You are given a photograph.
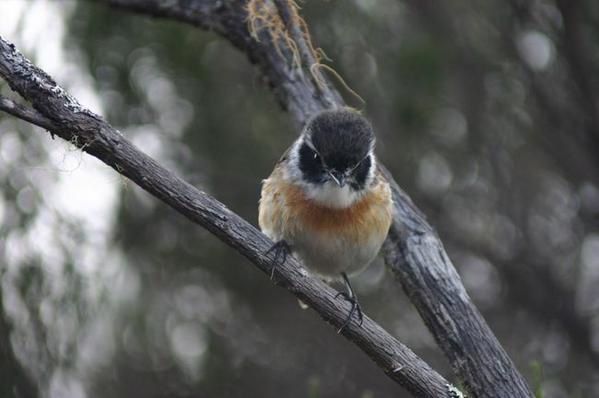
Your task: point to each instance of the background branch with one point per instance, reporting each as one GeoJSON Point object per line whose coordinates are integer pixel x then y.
{"type": "Point", "coordinates": [413, 250]}
{"type": "Point", "coordinates": [63, 116]}
{"type": "Point", "coordinates": [17, 384]}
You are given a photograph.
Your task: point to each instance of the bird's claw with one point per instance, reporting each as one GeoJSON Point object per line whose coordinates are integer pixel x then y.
{"type": "Point", "coordinates": [281, 250]}
{"type": "Point", "coordinates": [350, 296]}
{"type": "Point", "coordinates": [355, 308]}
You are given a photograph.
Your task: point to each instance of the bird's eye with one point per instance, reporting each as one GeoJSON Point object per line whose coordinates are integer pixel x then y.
{"type": "Point", "coordinates": [311, 164]}
{"type": "Point", "coordinates": [314, 155]}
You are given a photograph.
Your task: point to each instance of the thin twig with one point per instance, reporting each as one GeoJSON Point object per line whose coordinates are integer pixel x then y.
{"type": "Point", "coordinates": [24, 113]}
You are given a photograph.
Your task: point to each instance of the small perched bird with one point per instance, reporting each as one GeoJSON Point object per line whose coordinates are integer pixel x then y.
{"type": "Point", "coordinates": [326, 200]}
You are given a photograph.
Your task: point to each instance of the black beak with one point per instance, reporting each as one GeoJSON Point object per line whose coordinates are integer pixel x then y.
{"type": "Point", "coordinates": [339, 178]}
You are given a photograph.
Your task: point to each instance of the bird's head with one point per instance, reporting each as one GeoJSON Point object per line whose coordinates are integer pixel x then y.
{"type": "Point", "coordinates": [333, 158]}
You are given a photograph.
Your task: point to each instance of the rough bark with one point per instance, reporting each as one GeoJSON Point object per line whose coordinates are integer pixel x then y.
{"type": "Point", "coordinates": [61, 114]}
{"type": "Point", "coordinates": [413, 250]}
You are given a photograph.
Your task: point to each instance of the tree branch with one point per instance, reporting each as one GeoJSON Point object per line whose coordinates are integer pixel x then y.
{"type": "Point", "coordinates": [24, 113]}
{"type": "Point", "coordinates": [295, 90]}
{"type": "Point", "coordinates": [413, 249]}
{"type": "Point", "coordinates": [575, 51]}
{"type": "Point", "coordinates": [62, 115]}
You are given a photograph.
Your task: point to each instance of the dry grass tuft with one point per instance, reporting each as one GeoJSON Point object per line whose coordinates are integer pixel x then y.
{"type": "Point", "coordinates": [263, 15]}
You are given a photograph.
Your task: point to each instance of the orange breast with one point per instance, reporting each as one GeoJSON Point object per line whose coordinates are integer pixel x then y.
{"type": "Point", "coordinates": [328, 240]}
{"type": "Point", "coordinates": [371, 215]}
{"type": "Point", "coordinates": [285, 213]}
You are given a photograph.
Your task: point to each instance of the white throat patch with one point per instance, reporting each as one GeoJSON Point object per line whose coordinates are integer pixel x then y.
{"type": "Point", "coordinates": [330, 194]}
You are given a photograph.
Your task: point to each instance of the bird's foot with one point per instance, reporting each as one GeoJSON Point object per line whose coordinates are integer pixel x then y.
{"type": "Point", "coordinates": [350, 296]}
{"type": "Point", "coordinates": [355, 309]}
{"type": "Point", "coordinates": [281, 250]}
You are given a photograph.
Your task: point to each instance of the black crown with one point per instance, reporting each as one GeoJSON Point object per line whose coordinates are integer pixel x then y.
{"type": "Point", "coordinates": [342, 137]}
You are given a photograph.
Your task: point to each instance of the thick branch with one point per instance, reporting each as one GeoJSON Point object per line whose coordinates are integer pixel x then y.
{"type": "Point", "coordinates": [413, 250]}
{"type": "Point", "coordinates": [64, 117]}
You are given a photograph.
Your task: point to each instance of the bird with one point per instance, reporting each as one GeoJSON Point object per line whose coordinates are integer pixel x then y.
{"type": "Point", "coordinates": [327, 202]}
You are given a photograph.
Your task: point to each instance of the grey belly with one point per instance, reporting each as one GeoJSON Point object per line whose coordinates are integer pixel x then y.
{"type": "Point", "coordinates": [331, 256]}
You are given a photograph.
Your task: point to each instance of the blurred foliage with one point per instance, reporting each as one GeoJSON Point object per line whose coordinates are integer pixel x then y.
{"type": "Point", "coordinates": [537, 381]}
{"type": "Point", "coordinates": [482, 114]}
